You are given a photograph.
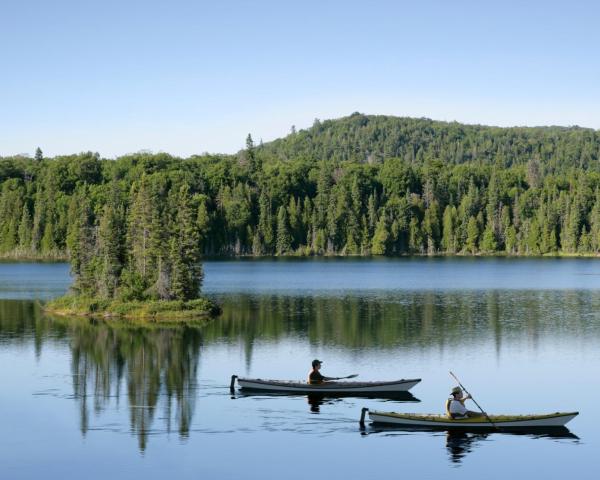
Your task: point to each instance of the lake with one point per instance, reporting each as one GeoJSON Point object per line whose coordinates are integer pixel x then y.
{"type": "Point", "coordinates": [92, 399]}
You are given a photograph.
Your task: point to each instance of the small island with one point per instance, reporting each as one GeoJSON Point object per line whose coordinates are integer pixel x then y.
{"type": "Point", "coordinates": [138, 258]}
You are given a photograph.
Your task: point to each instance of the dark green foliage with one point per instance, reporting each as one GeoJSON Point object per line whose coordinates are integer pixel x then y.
{"type": "Point", "coordinates": [284, 239]}
{"type": "Point", "coordinates": [135, 227]}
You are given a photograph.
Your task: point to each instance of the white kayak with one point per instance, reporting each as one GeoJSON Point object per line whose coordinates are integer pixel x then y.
{"type": "Point", "coordinates": [337, 387]}
{"type": "Point", "coordinates": [420, 420]}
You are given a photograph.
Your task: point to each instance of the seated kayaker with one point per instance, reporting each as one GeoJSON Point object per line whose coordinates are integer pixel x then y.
{"type": "Point", "coordinates": [315, 377]}
{"type": "Point", "coordinates": [455, 405]}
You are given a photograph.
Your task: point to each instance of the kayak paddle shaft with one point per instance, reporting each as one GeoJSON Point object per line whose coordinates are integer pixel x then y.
{"type": "Point", "coordinates": [474, 401]}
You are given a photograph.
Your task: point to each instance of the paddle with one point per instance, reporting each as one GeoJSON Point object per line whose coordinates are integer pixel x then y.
{"type": "Point", "coordinates": [474, 401]}
{"type": "Point", "coordinates": [354, 375]}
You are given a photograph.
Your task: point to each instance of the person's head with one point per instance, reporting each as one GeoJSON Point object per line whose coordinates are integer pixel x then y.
{"type": "Point", "coordinates": [316, 364]}
{"type": "Point", "coordinates": [456, 392]}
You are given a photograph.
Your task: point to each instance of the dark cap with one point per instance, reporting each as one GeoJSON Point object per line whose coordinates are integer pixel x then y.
{"type": "Point", "coordinates": [316, 362]}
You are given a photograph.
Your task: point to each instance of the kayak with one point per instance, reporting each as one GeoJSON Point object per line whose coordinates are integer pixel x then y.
{"type": "Point", "coordinates": [420, 420]}
{"type": "Point", "coordinates": [285, 386]}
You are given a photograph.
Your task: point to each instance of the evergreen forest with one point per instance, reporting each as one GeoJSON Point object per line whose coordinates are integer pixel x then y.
{"type": "Point", "coordinates": [359, 185]}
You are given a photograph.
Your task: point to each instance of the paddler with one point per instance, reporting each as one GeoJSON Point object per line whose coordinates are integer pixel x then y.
{"type": "Point", "coordinates": [455, 406]}
{"type": "Point", "coordinates": [315, 377]}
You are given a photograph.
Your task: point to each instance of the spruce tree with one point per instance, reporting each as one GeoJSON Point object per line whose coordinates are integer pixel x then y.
{"type": "Point", "coordinates": [380, 237]}
{"type": "Point", "coordinates": [472, 235]}
{"type": "Point", "coordinates": [448, 237]}
{"type": "Point", "coordinates": [283, 234]}
{"type": "Point", "coordinates": [265, 223]}
{"type": "Point", "coordinates": [139, 228]}
{"type": "Point", "coordinates": [488, 241]}
{"type": "Point", "coordinates": [25, 227]}
{"type": "Point", "coordinates": [187, 274]}
{"type": "Point", "coordinates": [111, 239]}
{"type": "Point", "coordinates": [82, 247]}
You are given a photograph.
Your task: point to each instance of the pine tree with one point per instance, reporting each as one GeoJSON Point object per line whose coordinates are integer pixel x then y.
{"type": "Point", "coordinates": [203, 225]}
{"type": "Point", "coordinates": [283, 234]}
{"type": "Point", "coordinates": [82, 247]}
{"type": "Point", "coordinates": [585, 241]}
{"type": "Point", "coordinates": [265, 223]}
{"type": "Point", "coordinates": [488, 241]}
{"type": "Point", "coordinates": [295, 221]}
{"type": "Point", "coordinates": [253, 158]}
{"type": "Point", "coordinates": [187, 273]}
{"type": "Point", "coordinates": [111, 238]}
{"type": "Point", "coordinates": [510, 241]}
{"type": "Point", "coordinates": [380, 237]}
{"type": "Point", "coordinates": [472, 235]}
{"type": "Point", "coordinates": [139, 228]}
{"type": "Point", "coordinates": [25, 227]}
{"type": "Point", "coordinates": [372, 213]}
{"type": "Point", "coordinates": [11, 204]}
{"type": "Point", "coordinates": [431, 226]}
{"type": "Point", "coordinates": [415, 236]}
{"type": "Point", "coordinates": [595, 223]}
{"type": "Point", "coordinates": [448, 237]}
{"type": "Point", "coordinates": [39, 219]}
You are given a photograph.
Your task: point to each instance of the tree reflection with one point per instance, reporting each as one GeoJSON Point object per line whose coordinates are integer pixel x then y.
{"type": "Point", "coordinates": [413, 319]}
{"type": "Point", "coordinates": [157, 366]}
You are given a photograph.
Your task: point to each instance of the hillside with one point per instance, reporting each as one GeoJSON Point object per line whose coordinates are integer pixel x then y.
{"type": "Point", "coordinates": [372, 138]}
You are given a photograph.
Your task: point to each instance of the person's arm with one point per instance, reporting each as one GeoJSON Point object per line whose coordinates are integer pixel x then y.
{"type": "Point", "coordinates": [315, 377]}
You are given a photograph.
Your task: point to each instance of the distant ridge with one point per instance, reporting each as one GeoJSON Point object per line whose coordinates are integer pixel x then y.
{"type": "Point", "coordinates": [372, 138]}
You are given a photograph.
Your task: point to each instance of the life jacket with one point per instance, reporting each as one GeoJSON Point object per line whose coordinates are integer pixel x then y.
{"type": "Point", "coordinates": [453, 416]}
{"type": "Point", "coordinates": [315, 381]}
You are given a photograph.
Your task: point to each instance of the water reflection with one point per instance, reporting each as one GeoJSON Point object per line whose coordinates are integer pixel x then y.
{"type": "Point", "coordinates": [155, 366]}
{"type": "Point", "coordinates": [315, 400]}
{"type": "Point", "coordinates": [417, 319]}
{"type": "Point", "coordinates": [460, 443]}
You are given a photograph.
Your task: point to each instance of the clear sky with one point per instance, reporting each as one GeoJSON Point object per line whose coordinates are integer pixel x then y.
{"type": "Point", "coordinates": [191, 76]}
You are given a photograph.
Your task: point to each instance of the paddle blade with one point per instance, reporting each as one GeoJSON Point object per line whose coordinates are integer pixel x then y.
{"type": "Point", "coordinates": [354, 375]}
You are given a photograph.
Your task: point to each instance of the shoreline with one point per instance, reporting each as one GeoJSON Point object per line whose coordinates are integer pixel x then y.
{"type": "Point", "coordinates": [4, 258]}
{"type": "Point", "coordinates": [153, 310]}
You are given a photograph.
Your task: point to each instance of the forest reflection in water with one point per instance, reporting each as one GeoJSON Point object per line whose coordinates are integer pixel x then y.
{"type": "Point", "coordinates": [156, 366]}
{"type": "Point", "coordinates": [414, 319]}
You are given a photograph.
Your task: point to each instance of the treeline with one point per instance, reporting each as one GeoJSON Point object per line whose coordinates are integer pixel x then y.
{"type": "Point", "coordinates": [356, 186]}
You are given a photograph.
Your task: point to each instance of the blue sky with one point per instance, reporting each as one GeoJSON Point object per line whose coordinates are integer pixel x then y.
{"type": "Point", "coordinates": [189, 76]}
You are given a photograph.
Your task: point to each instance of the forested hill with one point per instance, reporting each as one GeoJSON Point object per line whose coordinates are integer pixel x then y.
{"type": "Point", "coordinates": [359, 185]}
{"type": "Point", "coordinates": [369, 138]}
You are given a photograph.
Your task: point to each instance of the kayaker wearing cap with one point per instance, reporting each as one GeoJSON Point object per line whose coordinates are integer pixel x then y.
{"type": "Point", "coordinates": [315, 377]}
{"type": "Point", "coordinates": [455, 406]}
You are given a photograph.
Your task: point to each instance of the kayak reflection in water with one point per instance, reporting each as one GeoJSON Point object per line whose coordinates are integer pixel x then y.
{"type": "Point", "coordinates": [315, 377]}
{"type": "Point", "coordinates": [459, 443]}
{"type": "Point", "coordinates": [455, 405]}
{"type": "Point", "coordinates": [315, 401]}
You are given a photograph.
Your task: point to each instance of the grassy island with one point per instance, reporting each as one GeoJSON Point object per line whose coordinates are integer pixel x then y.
{"type": "Point", "coordinates": [171, 310]}
{"type": "Point", "coordinates": [135, 253]}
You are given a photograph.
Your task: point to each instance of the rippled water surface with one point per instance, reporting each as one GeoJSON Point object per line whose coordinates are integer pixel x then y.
{"type": "Point", "coordinates": [96, 400]}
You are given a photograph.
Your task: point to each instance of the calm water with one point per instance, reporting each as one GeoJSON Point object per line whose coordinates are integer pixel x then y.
{"type": "Point", "coordinates": [93, 400]}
